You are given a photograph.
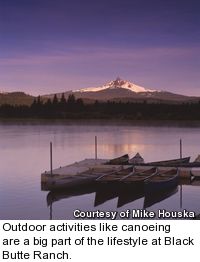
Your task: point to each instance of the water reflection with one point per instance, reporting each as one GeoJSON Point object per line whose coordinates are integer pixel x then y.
{"type": "Point", "coordinates": [54, 196]}
{"type": "Point", "coordinates": [125, 196]}
{"type": "Point", "coordinates": [151, 199]}
{"type": "Point", "coordinates": [24, 155]}
{"type": "Point", "coordinates": [104, 194]}
{"type": "Point", "coordinates": [128, 197]}
{"type": "Point", "coordinates": [119, 149]}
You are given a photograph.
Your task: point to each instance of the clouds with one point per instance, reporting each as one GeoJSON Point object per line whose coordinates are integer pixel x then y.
{"type": "Point", "coordinates": [50, 45]}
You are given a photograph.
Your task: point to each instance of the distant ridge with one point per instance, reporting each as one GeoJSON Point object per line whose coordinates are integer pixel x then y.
{"type": "Point", "coordinates": [115, 90]}
{"type": "Point", "coordinates": [16, 98]}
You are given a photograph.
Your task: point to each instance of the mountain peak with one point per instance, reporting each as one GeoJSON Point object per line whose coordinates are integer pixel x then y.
{"type": "Point", "coordinates": [118, 81]}
{"type": "Point", "coordinates": [116, 84]}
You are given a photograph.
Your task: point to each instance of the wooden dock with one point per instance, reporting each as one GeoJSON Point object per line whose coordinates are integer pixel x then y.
{"type": "Point", "coordinates": [88, 170]}
{"type": "Point", "coordinates": [78, 173]}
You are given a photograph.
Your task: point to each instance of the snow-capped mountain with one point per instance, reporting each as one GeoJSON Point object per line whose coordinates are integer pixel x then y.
{"type": "Point", "coordinates": [116, 90]}
{"type": "Point", "coordinates": [115, 84]}
{"type": "Point", "coordinates": [124, 91]}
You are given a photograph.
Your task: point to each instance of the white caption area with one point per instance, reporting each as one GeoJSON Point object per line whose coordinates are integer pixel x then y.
{"type": "Point", "coordinates": [99, 240]}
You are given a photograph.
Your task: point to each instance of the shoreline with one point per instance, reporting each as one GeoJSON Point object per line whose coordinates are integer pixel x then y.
{"type": "Point", "coordinates": [96, 121]}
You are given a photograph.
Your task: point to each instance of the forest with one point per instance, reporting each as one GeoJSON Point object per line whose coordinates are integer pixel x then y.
{"type": "Point", "coordinates": [72, 108]}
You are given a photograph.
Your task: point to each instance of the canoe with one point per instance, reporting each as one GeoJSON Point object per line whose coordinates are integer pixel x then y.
{"type": "Point", "coordinates": [88, 177]}
{"type": "Point", "coordinates": [137, 159]}
{"type": "Point", "coordinates": [138, 176]}
{"type": "Point", "coordinates": [69, 182]}
{"type": "Point", "coordinates": [195, 182]}
{"type": "Point", "coordinates": [122, 160]}
{"type": "Point", "coordinates": [162, 180]}
{"type": "Point", "coordinates": [153, 198]}
{"type": "Point", "coordinates": [115, 176]}
{"type": "Point", "coordinates": [197, 159]}
{"type": "Point", "coordinates": [195, 173]}
{"type": "Point", "coordinates": [169, 163]}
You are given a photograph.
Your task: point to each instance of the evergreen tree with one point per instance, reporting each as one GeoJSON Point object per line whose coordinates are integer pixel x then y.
{"type": "Point", "coordinates": [63, 100]}
{"type": "Point", "coordinates": [48, 101]}
{"type": "Point", "coordinates": [71, 99]}
{"type": "Point", "coordinates": [33, 105]}
{"type": "Point", "coordinates": [39, 102]}
{"type": "Point", "coordinates": [79, 105]}
{"type": "Point", "coordinates": [55, 100]}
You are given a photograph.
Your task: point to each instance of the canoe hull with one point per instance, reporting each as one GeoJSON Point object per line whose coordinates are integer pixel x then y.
{"type": "Point", "coordinates": [68, 182]}
{"type": "Point", "coordinates": [152, 186]}
{"type": "Point", "coordinates": [169, 163]}
{"type": "Point", "coordinates": [122, 160]}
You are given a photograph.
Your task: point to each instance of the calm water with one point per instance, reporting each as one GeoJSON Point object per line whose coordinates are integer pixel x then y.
{"type": "Point", "coordinates": [24, 154]}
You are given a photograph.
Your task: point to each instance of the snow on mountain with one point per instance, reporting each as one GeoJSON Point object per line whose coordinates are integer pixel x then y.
{"type": "Point", "coordinates": [124, 91]}
{"type": "Point", "coordinates": [118, 83]}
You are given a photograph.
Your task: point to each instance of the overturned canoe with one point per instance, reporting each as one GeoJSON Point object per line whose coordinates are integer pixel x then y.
{"type": "Point", "coordinates": [137, 159]}
{"type": "Point", "coordinates": [169, 163]}
{"type": "Point", "coordinates": [122, 160]}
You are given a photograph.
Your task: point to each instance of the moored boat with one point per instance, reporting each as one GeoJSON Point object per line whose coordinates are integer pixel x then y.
{"type": "Point", "coordinates": [75, 175]}
{"type": "Point", "coordinates": [169, 163]}
{"type": "Point", "coordinates": [195, 173]}
{"type": "Point", "coordinates": [137, 159]}
{"type": "Point", "coordinates": [68, 182]}
{"type": "Point", "coordinates": [136, 179]}
{"type": "Point", "coordinates": [115, 176]}
{"type": "Point", "coordinates": [197, 159]}
{"type": "Point", "coordinates": [122, 160]}
{"type": "Point", "coordinates": [163, 180]}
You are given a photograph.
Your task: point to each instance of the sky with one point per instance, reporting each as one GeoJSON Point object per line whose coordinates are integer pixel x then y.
{"type": "Point", "coordinates": [49, 46]}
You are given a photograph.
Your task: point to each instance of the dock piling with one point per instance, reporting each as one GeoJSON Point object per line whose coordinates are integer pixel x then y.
{"type": "Point", "coordinates": [51, 164]}
{"type": "Point", "coordinates": [181, 196]}
{"type": "Point", "coordinates": [95, 147]}
{"type": "Point", "coordinates": [180, 148]}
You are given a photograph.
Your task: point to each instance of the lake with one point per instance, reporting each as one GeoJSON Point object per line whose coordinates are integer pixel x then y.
{"type": "Point", "coordinates": [24, 155]}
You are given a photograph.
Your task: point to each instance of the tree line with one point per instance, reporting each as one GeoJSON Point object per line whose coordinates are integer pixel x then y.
{"type": "Point", "coordinates": [72, 108]}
